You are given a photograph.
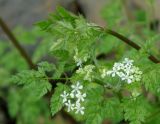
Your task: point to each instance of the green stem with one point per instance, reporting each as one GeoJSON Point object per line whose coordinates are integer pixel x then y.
{"type": "Point", "coordinates": [50, 78]}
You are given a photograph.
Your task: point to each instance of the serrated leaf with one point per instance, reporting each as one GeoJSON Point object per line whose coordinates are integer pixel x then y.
{"type": "Point", "coordinates": [13, 103]}
{"type": "Point", "coordinates": [136, 110]}
{"type": "Point", "coordinates": [34, 81]}
{"type": "Point", "coordinates": [112, 110]}
{"type": "Point", "coordinates": [44, 24]}
{"type": "Point", "coordinates": [41, 89]}
{"type": "Point", "coordinates": [57, 45]}
{"type": "Point", "coordinates": [94, 119]}
{"type": "Point", "coordinates": [61, 55]}
{"type": "Point", "coordinates": [56, 100]}
{"type": "Point", "coordinates": [45, 67]}
{"type": "Point", "coordinates": [93, 104]}
{"type": "Point", "coordinates": [151, 78]}
{"type": "Point", "coordinates": [59, 70]}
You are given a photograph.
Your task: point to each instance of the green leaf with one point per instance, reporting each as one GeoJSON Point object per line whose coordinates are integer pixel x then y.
{"type": "Point", "coordinates": [40, 89]}
{"type": "Point", "coordinates": [151, 78]}
{"type": "Point", "coordinates": [93, 105]}
{"type": "Point", "coordinates": [59, 70]}
{"type": "Point", "coordinates": [61, 55]}
{"type": "Point", "coordinates": [25, 108]}
{"type": "Point", "coordinates": [112, 110]}
{"type": "Point", "coordinates": [94, 119]}
{"type": "Point", "coordinates": [45, 67]}
{"type": "Point", "coordinates": [34, 81]}
{"type": "Point", "coordinates": [57, 45]}
{"type": "Point", "coordinates": [25, 77]}
{"type": "Point", "coordinates": [136, 110]}
{"type": "Point", "coordinates": [64, 14]}
{"type": "Point", "coordinates": [14, 102]}
{"type": "Point", "coordinates": [56, 100]}
{"type": "Point", "coordinates": [44, 24]}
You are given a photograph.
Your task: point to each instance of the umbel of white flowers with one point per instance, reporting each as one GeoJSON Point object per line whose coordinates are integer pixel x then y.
{"type": "Point", "coordinates": [126, 71]}
{"type": "Point", "coordinates": [72, 100]}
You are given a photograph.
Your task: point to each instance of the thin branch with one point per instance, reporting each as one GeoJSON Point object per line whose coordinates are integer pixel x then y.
{"type": "Point", "coordinates": [129, 42]}
{"type": "Point", "coordinates": [15, 42]}
{"type": "Point", "coordinates": [123, 38]}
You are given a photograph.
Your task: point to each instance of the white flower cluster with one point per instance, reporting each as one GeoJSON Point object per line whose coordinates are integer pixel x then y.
{"type": "Point", "coordinates": [79, 60]}
{"type": "Point", "coordinates": [87, 72]}
{"type": "Point", "coordinates": [126, 71]}
{"type": "Point", "coordinates": [74, 99]}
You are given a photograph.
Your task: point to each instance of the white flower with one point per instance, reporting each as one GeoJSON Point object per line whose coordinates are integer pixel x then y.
{"type": "Point", "coordinates": [73, 99]}
{"type": "Point", "coordinates": [121, 74]}
{"type": "Point", "coordinates": [64, 96]}
{"type": "Point", "coordinates": [126, 71]}
{"type": "Point", "coordinates": [76, 88]}
{"type": "Point", "coordinates": [127, 78]}
{"type": "Point", "coordinates": [128, 62]}
{"type": "Point", "coordinates": [69, 105]}
{"type": "Point", "coordinates": [115, 69]}
{"type": "Point", "coordinates": [80, 96]}
{"type": "Point", "coordinates": [78, 59]}
{"type": "Point", "coordinates": [79, 108]}
{"type": "Point", "coordinates": [79, 63]}
{"type": "Point", "coordinates": [117, 66]}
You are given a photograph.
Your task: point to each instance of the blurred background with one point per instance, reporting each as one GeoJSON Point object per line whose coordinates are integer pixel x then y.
{"type": "Point", "coordinates": [26, 13]}
{"type": "Point", "coordinates": [136, 19]}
